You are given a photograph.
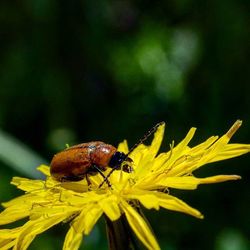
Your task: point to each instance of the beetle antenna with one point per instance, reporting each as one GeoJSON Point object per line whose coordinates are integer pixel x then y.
{"type": "Point", "coordinates": [145, 137]}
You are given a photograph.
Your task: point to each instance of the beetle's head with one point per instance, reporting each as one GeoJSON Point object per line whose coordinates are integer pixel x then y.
{"type": "Point", "coordinates": [120, 160]}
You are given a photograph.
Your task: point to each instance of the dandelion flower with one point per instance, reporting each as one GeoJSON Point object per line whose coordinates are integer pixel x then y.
{"type": "Point", "coordinates": [49, 202]}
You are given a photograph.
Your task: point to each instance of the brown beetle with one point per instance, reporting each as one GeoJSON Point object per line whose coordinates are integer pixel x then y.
{"type": "Point", "coordinates": [79, 161]}
{"type": "Point", "coordinates": [76, 162]}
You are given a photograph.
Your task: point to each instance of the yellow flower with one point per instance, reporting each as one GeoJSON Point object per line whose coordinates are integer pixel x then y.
{"type": "Point", "coordinates": [49, 202]}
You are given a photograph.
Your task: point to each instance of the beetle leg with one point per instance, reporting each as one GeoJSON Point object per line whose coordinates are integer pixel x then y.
{"type": "Point", "coordinates": [101, 173]}
{"type": "Point", "coordinates": [106, 177]}
{"type": "Point", "coordinates": [87, 179]}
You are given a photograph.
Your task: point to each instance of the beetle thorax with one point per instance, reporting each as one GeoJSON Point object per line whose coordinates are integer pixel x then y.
{"type": "Point", "coordinates": [101, 155]}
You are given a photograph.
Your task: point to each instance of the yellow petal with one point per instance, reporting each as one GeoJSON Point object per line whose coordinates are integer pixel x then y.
{"type": "Point", "coordinates": [6, 243]}
{"type": "Point", "coordinates": [14, 213]}
{"type": "Point", "coordinates": [173, 203]}
{"type": "Point", "coordinates": [143, 156]}
{"type": "Point", "coordinates": [157, 140]}
{"type": "Point", "coordinates": [196, 150]}
{"type": "Point", "coordinates": [178, 154]}
{"type": "Point", "coordinates": [44, 169]}
{"type": "Point", "coordinates": [181, 147]}
{"type": "Point", "coordinates": [19, 207]}
{"type": "Point", "coordinates": [10, 233]}
{"type": "Point", "coordinates": [216, 150]}
{"type": "Point", "coordinates": [72, 240]}
{"type": "Point", "coordinates": [232, 150]}
{"type": "Point", "coordinates": [187, 182]}
{"type": "Point", "coordinates": [87, 218]}
{"type": "Point", "coordinates": [19, 201]}
{"type": "Point", "coordinates": [34, 227]}
{"type": "Point", "coordinates": [185, 160]}
{"type": "Point", "coordinates": [233, 129]}
{"type": "Point", "coordinates": [140, 227]}
{"type": "Point", "coordinates": [40, 211]}
{"type": "Point", "coordinates": [154, 199]}
{"type": "Point", "coordinates": [27, 184]}
{"type": "Point", "coordinates": [8, 237]}
{"type": "Point", "coordinates": [110, 207]}
{"type": "Point", "coordinates": [218, 178]}
{"type": "Point", "coordinates": [123, 147]}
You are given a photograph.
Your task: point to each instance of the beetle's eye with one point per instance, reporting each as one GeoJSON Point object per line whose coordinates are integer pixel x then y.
{"type": "Point", "coordinates": [117, 159]}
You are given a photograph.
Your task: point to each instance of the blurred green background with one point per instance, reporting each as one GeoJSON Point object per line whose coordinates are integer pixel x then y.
{"type": "Point", "coordinates": [77, 71]}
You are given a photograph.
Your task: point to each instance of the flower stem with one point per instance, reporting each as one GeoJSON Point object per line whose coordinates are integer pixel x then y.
{"type": "Point", "coordinates": [120, 236]}
{"type": "Point", "coordinates": [119, 233]}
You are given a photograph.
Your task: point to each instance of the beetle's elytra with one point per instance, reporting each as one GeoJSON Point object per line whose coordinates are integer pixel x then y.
{"type": "Point", "coordinates": [79, 161]}
{"type": "Point", "coordinates": [74, 163]}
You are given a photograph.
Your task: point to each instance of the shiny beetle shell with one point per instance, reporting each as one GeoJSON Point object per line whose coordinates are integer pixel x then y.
{"type": "Point", "coordinates": [74, 163]}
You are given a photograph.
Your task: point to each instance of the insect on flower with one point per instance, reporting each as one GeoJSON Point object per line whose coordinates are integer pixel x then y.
{"type": "Point", "coordinates": [79, 161]}
{"type": "Point", "coordinates": [40, 208]}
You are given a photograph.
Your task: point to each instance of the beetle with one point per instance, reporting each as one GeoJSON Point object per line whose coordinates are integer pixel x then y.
{"type": "Point", "coordinates": [77, 162]}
